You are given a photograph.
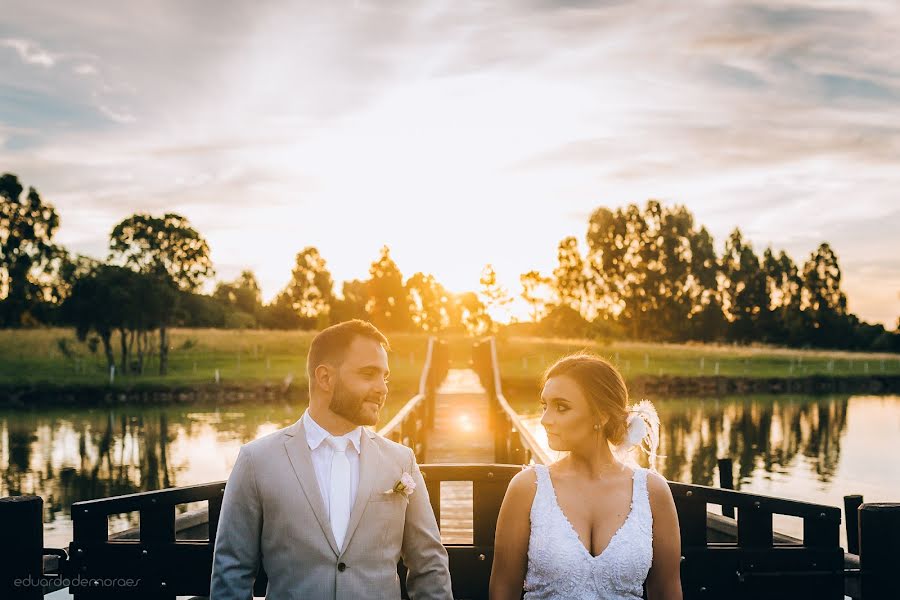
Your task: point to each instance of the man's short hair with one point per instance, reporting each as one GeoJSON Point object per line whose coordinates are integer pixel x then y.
{"type": "Point", "coordinates": [330, 345]}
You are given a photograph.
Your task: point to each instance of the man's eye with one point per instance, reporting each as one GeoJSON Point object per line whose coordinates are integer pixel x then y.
{"type": "Point", "coordinates": [562, 408]}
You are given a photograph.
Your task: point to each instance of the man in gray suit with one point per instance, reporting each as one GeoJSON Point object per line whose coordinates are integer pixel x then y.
{"type": "Point", "coordinates": [326, 506]}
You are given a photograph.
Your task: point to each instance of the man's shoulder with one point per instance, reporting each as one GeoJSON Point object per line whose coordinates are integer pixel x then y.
{"type": "Point", "coordinates": [270, 440]}
{"type": "Point", "coordinates": [393, 449]}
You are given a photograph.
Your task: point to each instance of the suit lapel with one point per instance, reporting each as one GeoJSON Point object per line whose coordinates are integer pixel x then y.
{"type": "Point", "coordinates": [301, 460]}
{"type": "Point", "coordinates": [369, 461]}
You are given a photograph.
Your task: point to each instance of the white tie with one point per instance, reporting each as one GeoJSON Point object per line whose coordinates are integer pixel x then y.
{"type": "Point", "coordinates": [339, 491]}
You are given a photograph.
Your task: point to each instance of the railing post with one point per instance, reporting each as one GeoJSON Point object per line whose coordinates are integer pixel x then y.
{"type": "Point", "coordinates": [851, 516]}
{"type": "Point", "coordinates": [22, 547]}
{"type": "Point", "coordinates": [726, 482]}
{"type": "Point", "coordinates": [879, 549]}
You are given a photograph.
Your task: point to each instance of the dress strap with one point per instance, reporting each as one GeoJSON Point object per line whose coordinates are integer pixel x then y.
{"type": "Point", "coordinates": [640, 496]}
{"type": "Point", "coordinates": [544, 484]}
{"type": "Point", "coordinates": [543, 475]}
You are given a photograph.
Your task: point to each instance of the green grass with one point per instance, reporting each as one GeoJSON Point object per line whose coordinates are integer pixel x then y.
{"type": "Point", "coordinates": [524, 359]}
{"type": "Point", "coordinates": [242, 357]}
{"type": "Point", "coordinates": [253, 357]}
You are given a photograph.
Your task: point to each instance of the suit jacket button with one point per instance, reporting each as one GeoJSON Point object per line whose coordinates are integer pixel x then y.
{"type": "Point", "coordinates": [341, 567]}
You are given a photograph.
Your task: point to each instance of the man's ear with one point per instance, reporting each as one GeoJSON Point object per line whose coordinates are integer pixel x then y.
{"type": "Point", "coordinates": [324, 378]}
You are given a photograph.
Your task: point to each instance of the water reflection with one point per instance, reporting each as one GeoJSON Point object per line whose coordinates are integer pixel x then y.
{"type": "Point", "coordinates": [756, 433]}
{"type": "Point", "coordinates": [814, 448]}
{"type": "Point", "coordinates": [69, 455]}
{"type": "Point", "coordinates": [802, 447]}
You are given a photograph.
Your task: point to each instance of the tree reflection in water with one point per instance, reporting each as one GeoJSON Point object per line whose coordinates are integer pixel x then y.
{"type": "Point", "coordinates": [762, 432]}
{"type": "Point", "coordinates": [67, 455]}
{"type": "Point", "coordinates": [759, 433]}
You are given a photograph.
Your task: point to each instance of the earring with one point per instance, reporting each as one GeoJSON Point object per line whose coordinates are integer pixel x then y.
{"type": "Point", "coordinates": [596, 427]}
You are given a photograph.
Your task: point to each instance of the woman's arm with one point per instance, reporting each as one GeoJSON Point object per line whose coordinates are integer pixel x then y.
{"type": "Point", "coordinates": [511, 539]}
{"type": "Point", "coordinates": [664, 579]}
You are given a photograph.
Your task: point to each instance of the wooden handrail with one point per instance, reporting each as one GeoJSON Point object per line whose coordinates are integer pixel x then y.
{"type": "Point", "coordinates": [411, 424]}
{"type": "Point", "coordinates": [395, 423]}
{"type": "Point", "coordinates": [538, 454]}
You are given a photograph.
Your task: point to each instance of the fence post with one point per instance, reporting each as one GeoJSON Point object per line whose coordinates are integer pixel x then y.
{"type": "Point", "coordinates": [879, 549]}
{"type": "Point", "coordinates": [726, 482]}
{"type": "Point", "coordinates": [22, 547]}
{"type": "Point", "coordinates": [851, 516]}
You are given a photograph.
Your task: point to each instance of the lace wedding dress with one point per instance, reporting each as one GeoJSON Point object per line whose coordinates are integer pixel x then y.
{"type": "Point", "coordinates": [561, 568]}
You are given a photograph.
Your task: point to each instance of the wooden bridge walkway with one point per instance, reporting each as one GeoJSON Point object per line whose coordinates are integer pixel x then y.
{"type": "Point", "coordinates": [461, 431]}
{"type": "Point", "coordinates": [461, 434]}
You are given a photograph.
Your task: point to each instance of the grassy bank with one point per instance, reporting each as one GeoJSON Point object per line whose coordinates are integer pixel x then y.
{"type": "Point", "coordinates": [253, 357]}
{"type": "Point", "coordinates": [55, 359]}
{"type": "Point", "coordinates": [522, 360]}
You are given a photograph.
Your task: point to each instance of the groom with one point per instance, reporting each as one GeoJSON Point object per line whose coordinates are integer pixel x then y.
{"type": "Point", "coordinates": [326, 506]}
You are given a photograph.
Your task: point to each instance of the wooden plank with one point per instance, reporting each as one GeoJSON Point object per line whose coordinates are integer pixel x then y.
{"type": "Point", "coordinates": [487, 497]}
{"type": "Point", "coordinates": [781, 572]}
{"type": "Point", "coordinates": [456, 512]}
{"type": "Point", "coordinates": [462, 422]}
{"type": "Point", "coordinates": [461, 434]}
{"type": "Point", "coordinates": [158, 524]}
{"type": "Point", "coordinates": [820, 532]}
{"type": "Point", "coordinates": [754, 527]}
{"type": "Point", "coordinates": [691, 520]}
{"type": "Point", "coordinates": [21, 549]}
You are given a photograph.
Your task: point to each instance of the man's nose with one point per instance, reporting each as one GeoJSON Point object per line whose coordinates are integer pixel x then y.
{"type": "Point", "coordinates": [382, 387]}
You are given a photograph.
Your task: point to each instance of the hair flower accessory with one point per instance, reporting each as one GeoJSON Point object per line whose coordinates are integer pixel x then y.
{"type": "Point", "coordinates": [637, 430]}
{"type": "Point", "coordinates": [406, 485]}
{"type": "Point", "coordinates": [642, 430]}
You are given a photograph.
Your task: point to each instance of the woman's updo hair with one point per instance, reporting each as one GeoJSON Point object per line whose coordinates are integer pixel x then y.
{"type": "Point", "coordinates": [629, 426]}
{"type": "Point", "coordinates": [602, 385]}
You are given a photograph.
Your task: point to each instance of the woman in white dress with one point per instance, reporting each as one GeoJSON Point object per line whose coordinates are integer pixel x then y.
{"type": "Point", "coordinates": [589, 525]}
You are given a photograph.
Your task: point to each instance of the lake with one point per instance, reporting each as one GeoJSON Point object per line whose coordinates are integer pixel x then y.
{"type": "Point", "coordinates": [814, 448]}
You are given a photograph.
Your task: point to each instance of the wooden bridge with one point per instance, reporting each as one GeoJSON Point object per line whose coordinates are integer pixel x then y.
{"type": "Point", "coordinates": [470, 443]}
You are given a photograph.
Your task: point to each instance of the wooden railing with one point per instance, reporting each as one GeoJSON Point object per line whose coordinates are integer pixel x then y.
{"type": "Point", "coordinates": [160, 564]}
{"type": "Point", "coordinates": [411, 423]}
{"type": "Point", "coordinates": [513, 441]}
{"type": "Point", "coordinates": [164, 567]}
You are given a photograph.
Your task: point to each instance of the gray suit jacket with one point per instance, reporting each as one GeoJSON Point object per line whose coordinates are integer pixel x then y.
{"type": "Point", "coordinates": [273, 515]}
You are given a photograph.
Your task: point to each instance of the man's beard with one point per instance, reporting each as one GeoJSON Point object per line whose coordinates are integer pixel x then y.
{"type": "Point", "coordinates": [348, 405]}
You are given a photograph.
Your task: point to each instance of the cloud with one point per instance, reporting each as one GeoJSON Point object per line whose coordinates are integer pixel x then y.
{"type": "Point", "coordinates": [276, 125]}
{"type": "Point", "coordinates": [86, 69]}
{"type": "Point", "coordinates": [30, 52]}
{"type": "Point", "coordinates": [119, 116]}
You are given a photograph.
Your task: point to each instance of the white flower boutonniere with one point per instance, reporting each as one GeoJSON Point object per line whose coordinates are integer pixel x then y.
{"type": "Point", "coordinates": [405, 486]}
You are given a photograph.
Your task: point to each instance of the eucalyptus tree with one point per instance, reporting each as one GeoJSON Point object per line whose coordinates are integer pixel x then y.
{"type": "Point", "coordinates": [174, 253]}
{"type": "Point", "coordinates": [29, 259]}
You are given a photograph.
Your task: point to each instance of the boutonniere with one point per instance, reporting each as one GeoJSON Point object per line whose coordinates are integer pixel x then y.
{"type": "Point", "coordinates": [406, 486]}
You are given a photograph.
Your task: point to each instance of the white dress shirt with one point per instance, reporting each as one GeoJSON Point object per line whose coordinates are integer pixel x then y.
{"type": "Point", "coordinates": [322, 453]}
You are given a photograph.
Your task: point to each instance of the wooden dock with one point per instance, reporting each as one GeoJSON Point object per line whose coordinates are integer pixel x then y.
{"type": "Point", "coordinates": [461, 434]}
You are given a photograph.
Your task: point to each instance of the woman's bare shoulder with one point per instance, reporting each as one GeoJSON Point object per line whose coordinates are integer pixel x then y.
{"type": "Point", "coordinates": [658, 489]}
{"type": "Point", "coordinates": [523, 486]}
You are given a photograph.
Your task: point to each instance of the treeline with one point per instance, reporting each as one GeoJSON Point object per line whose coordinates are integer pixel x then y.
{"type": "Point", "coordinates": [648, 273]}
{"type": "Point", "coordinates": [150, 282]}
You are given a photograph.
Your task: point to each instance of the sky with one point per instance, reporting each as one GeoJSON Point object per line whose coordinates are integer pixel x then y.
{"type": "Point", "coordinates": [460, 133]}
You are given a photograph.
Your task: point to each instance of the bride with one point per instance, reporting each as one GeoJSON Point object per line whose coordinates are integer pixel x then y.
{"type": "Point", "coordinates": [589, 525]}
